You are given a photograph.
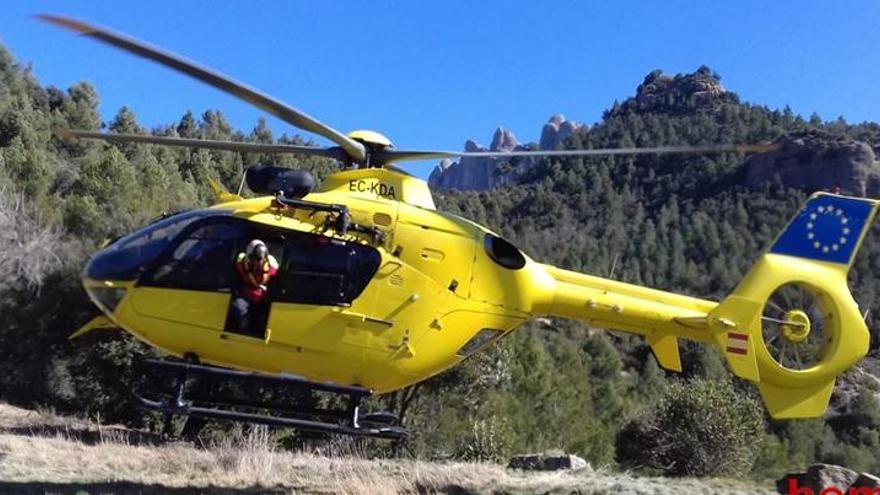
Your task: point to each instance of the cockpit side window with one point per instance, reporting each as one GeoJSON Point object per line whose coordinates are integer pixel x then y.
{"type": "Point", "coordinates": [126, 257]}
{"type": "Point", "coordinates": [202, 259]}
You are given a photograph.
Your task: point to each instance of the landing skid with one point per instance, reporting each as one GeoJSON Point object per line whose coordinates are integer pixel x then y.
{"type": "Point", "coordinates": [348, 421]}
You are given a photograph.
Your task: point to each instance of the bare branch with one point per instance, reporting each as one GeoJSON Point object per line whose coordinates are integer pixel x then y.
{"type": "Point", "coordinates": [28, 248]}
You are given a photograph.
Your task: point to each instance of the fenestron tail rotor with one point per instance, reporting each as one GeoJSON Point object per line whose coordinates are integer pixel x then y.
{"type": "Point", "coordinates": [795, 326]}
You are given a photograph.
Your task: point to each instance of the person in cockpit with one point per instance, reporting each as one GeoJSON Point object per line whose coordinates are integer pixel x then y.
{"type": "Point", "coordinates": [255, 267]}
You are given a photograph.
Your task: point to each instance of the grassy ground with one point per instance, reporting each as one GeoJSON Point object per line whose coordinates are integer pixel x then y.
{"type": "Point", "coordinates": [41, 453]}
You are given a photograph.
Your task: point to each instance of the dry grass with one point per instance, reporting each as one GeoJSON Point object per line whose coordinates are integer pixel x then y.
{"type": "Point", "coordinates": [52, 461]}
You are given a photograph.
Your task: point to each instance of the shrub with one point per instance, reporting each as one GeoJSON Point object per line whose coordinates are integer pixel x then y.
{"type": "Point", "coordinates": [698, 428]}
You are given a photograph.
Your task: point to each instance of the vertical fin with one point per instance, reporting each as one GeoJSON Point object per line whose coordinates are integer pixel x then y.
{"type": "Point", "coordinates": [736, 325]}
{"type": "Point", "coordinates": [805, 402]}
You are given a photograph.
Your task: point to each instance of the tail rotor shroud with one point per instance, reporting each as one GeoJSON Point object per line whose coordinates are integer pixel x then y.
{"type": "Point", "coordinates": [795, 311]}
{"type": "Point", "coordinates": [797, 324]}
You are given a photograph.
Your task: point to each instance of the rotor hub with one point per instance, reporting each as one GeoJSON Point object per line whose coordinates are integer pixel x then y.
{"type": "Point", "coordinates": [797, 326]}
{"type": "Point", "coordinates": [371, 138]}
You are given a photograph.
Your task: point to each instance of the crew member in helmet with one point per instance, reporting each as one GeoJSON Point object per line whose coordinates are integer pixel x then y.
{"type": "Point", "coordinates": [255, 267]}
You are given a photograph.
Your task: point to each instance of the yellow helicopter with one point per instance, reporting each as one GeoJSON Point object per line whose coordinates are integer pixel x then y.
{"type": "Point", "coordinates": [377, 290]}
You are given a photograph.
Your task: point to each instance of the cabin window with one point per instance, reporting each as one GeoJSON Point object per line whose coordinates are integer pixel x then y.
{"type": "Point", "coordinates": [324, 271]}
{"type": "Point", "coordinates": [314, 269]}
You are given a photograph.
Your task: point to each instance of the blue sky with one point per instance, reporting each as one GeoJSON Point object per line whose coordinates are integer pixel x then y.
{"type": "Point", "coordinates": [432, 74]}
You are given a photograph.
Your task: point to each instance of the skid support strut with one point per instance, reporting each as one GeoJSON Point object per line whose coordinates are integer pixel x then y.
{"type": "Point", "coordinates": [348, 421]}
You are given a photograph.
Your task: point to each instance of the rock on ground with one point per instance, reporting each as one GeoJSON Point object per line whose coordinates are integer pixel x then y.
{"type": "Point", "coordinates": [543, 462]}
{"type": "Point", "coordinates": [821, 477]}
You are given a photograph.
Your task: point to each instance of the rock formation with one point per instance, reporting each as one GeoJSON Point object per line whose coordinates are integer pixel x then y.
{"type": "Point", "coordinates": [480, 174]}
{"type": "Point", "coordinates": [810, 162]}
{"type": "Point", "coordinates": [469, 173]}
{"type": "Point", "coordinates": [661, 91]}
{"type": "Point", "coordinates": [556, 131]}
{"type": "Point", "coordinates": [814, 163]}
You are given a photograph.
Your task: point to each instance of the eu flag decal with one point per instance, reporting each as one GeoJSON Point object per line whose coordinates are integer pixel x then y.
{"type": "Point", "coordinates": [828, 228]}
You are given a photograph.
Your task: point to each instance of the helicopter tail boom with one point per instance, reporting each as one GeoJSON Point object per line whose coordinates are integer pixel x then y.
{"type": "Point", "coordinates": [791, 325]}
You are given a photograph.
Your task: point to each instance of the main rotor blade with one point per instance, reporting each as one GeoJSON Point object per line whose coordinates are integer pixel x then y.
{"type": "Point", "coordinates": [388, 156]}
{"type": "Point", "coordinates": [336, 152]}
{"type": "Point", "coordinates": [354, 149]}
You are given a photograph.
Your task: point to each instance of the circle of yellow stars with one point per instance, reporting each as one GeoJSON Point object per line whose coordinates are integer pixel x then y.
{"type": "Point", "coordinates": [825, 245]}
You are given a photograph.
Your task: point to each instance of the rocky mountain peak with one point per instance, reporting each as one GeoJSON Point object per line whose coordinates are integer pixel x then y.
{"type": "Point", "coordinates": [503, 140]}
{"type": "Point", "coordinates": [816, 161]}
{"type": "Point", "coordinates": [556, 131]}
{"type": "Point", "coordinates": [475, 173]}
{"type": "Point", "coordinates": [660, 91]}
{"type": "Point", "coordinates": [470, 146]}
{"type": "Point", "coordinates": [478, 174]}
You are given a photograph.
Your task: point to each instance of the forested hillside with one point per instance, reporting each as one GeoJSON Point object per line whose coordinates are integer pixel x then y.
{"type": "Point", "coordinates": [677, 223]}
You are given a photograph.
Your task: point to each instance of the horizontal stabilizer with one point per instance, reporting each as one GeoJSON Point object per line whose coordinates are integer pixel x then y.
{"type": "Point", "coordinates": [96, 323]}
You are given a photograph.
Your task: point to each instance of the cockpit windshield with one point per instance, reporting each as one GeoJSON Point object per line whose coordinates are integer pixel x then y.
{"type": "Point", "coordinates": [123, 259]}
